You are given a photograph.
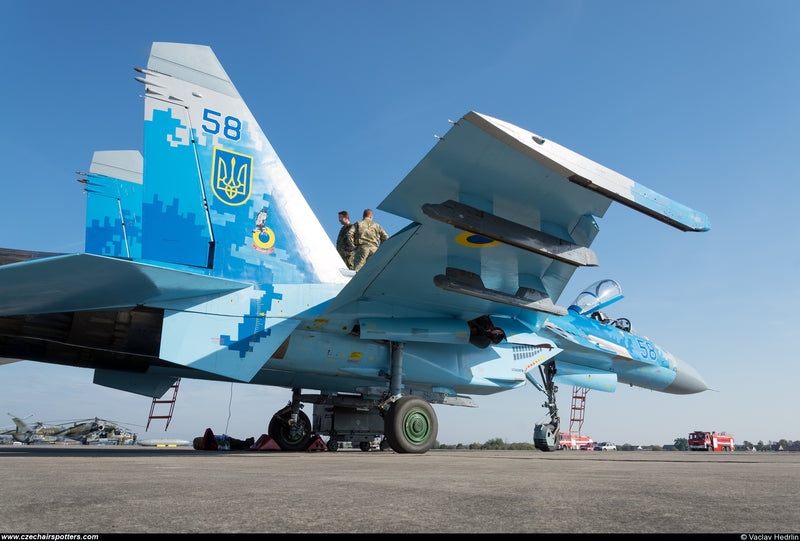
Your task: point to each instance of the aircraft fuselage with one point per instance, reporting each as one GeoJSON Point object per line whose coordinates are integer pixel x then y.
{"type": "Point", "coordinates": [342, 362]}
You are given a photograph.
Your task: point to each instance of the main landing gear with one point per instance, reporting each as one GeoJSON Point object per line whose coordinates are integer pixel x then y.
{"type": "Point", "coordinates": [410, 425]}
{"type": "Point", "coordinates": [407, 422]}
{"type": "Point", "coordinates": [291, 428]}
{"type": "Point", "coordinates": [546, 436]}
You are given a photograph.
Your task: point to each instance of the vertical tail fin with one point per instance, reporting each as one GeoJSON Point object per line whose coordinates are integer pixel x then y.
{"type": "Point", "coordinates": [216, 195]}
{"type": "Point", "coordinates": [114, 204]}
{"type": "Point", "coordinates": [211, 193]}
{"type": "Point", "coordinates": [22, 426]}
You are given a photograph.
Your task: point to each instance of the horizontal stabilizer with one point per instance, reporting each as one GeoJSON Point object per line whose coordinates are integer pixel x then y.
{"type": "Point", "coordinates": [74, 282]}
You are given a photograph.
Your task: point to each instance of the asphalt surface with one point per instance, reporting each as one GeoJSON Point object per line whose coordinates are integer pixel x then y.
{"type": "Point", "coordinates": [78, 489]}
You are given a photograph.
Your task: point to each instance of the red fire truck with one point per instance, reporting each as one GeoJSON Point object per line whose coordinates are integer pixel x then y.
{"type": "Point", "coordinates": [711, 441]}
{"type": "Point", "coordinates": [569, 441]}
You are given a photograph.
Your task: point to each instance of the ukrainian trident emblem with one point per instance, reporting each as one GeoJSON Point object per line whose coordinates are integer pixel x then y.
{"type": "Point", "coordinates": [231, 176]}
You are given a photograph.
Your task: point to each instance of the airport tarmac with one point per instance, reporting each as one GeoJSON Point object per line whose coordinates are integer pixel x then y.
{"type": "Point", "coordinates": [80, 489]}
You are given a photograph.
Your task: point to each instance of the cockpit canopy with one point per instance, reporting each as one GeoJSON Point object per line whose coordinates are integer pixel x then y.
{"type": "Point", "coordinates": [596, 296]}
{"type": "Point", "coordinates": [599, 295]}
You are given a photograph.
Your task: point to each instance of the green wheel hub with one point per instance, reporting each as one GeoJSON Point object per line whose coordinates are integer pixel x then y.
{"type": "Point", "coordinates": [417, 426]}
{"type": "Point", "coordinates": [410, 425]}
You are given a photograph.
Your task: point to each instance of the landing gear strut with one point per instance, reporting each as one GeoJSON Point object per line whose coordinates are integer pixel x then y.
{"type": "Point", "coordinates": [290, 427]}
{"type": "Point", "coordinates": [545, 436]}
{"type": "Point", "coordinates": [410, 424]}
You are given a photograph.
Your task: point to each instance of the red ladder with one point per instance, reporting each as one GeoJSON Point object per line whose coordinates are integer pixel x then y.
{"type": "Point", "coordinates": [171, 406]}
{"type": "Point", "coordinates": [578, 410]}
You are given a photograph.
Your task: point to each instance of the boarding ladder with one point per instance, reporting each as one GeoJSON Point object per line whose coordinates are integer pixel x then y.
{"type": "Point", "coordinates": [578, 410]}
{"type": "Point", "coordinates": [171, 403]}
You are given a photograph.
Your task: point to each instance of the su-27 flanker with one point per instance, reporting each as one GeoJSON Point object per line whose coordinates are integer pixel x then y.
{"type": "Point", "coordinates": [203, 260]}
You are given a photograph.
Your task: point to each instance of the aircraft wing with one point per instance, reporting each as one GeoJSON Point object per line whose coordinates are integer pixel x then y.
{"type": "Point", "coordinates": [501, 220]}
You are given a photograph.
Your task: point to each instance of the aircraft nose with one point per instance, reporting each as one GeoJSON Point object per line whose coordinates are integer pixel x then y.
{"type": "Point", "coordinates": [687, 380]}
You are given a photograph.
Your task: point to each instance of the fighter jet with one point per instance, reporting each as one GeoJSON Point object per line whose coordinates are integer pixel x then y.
{"type": "Point", "coordinates": [203, 260]}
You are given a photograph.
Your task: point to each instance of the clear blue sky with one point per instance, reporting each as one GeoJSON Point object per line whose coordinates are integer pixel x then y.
{"type": "Point", "coordinates": [695, 99]}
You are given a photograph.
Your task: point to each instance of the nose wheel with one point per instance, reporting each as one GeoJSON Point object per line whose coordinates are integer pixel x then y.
{"type": "Point", "coordinates": [545, 437]}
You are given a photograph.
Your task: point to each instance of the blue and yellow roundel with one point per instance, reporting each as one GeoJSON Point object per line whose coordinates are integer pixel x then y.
{"type": "Point", "coordinates": [264, 239]}
{"type": "Point", "coordinates": [473, 240]}
{"type": "Point", "coordinates": [231, 176]}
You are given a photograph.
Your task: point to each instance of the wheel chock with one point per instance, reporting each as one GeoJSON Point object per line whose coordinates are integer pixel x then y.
{"type": "Point", "coordinates": [265, 443]}
{"type": "Point", "coordinates": [317, 445]}
{"type": "Point", "coordinates": [209, 441]}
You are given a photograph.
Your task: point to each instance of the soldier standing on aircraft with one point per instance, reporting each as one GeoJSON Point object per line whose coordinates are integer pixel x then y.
{"type": "Point", "coordinates": [344, 242]}
{"type": "Point", "coordinates": [366, 236]}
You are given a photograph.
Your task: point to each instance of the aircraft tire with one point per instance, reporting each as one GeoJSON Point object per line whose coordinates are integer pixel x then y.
{"type": "Point", "coordinates": [279, 431]}
{"type": "Point", "coordinates": [411, 425]}
{"type": "Point", "coordinates": [545, 437]}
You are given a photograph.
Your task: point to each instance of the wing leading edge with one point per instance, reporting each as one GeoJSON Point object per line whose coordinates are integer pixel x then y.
{"type": "Point", "coordinates": [593, 176]}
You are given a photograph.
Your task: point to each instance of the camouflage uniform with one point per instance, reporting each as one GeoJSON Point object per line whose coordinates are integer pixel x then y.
{"type": "Point", "coordinates": [344, 245]}
{"type": "Point", "coordinates": [366, 236]}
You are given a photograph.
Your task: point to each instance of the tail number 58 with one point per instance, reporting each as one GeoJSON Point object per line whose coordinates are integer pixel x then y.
{"type": "Point", "coordinates": [231, 126]}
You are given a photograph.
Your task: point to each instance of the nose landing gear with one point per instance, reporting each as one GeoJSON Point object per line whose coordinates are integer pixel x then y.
{"type": "Point", "coordinates": [545, 436]}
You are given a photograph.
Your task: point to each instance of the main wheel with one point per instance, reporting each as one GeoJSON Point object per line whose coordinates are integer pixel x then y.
{"type": "Point", "coordinates": [411, 426]}
{"type": "Point", "coordinates": [288, 437]}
